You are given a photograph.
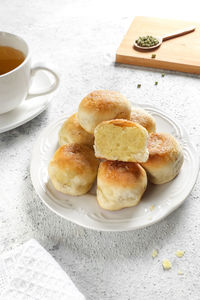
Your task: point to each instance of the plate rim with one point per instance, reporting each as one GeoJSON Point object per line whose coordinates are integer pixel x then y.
{"type": "Point", "coordinates": [99, 226]}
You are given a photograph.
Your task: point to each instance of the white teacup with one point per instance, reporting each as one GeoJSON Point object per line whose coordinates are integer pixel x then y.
{"type": "Point", "coordinates": [14, 85]}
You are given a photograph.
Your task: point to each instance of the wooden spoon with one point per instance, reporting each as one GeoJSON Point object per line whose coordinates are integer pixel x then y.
{"type": "Point", "coordinates": [165, 38]}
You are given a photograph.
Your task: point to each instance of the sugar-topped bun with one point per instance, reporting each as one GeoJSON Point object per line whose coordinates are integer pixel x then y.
{"type": "Point", "coordinates": [102, 105]}
{"type": "Point", "coordinates": [121, 140]}
{"type": "Point", "coordinates": [72, 132]}
{"type": "Point", "coordinates": [73, 169]}
{"type": "Point", "coordinates": [142, 117]}
{"type": "Point", "coordinates": [120, 184]}
{"type": "Point", "coordinates": [165, 158]}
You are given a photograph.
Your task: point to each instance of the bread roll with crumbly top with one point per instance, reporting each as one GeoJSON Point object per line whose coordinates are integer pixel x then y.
{"type": "Point", "coordinates": [73, 169]}
{"type": "Point", "coordinates": [102, 105]}
{"type": "Point", "coordinates": [120, 184]}
{"type": "Point", "coordinates": [165, 158]}
{"type": "Point", "coordinates": [142, 117]}
{"type": "Point", "coordinates": [121, 140]}
{"type": "Point", "coordinates": [72, 132]}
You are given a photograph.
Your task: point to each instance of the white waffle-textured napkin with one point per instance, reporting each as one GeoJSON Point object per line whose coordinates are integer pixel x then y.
{"type": "Point", "coordinates": [31, 273]}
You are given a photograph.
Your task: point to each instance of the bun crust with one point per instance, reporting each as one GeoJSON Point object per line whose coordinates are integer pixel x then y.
{"type": "Point", "coordinates": [73, 169]}
{"type": "Point", "coordinates": [165, 158]}
{"type": "Point", "coordinates": [142, 117]}
{"type": "Point", "coordinates": [120, 184]}
{"type": "Point", "coordinates": [72, 132]}
{"type": "Point", "coordinates": [102, 105]}
{"type": "Point", "coordinates": [121, 140]}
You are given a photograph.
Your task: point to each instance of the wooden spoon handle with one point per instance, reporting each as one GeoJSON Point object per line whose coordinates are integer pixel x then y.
{"type": "Point", "coordinates": [178, 33]}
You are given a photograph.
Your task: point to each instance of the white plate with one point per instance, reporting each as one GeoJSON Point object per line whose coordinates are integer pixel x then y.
{"type": "Point", "coordinates": [29, 109]}
{"type": "Point", "coordinates": [157, 202]}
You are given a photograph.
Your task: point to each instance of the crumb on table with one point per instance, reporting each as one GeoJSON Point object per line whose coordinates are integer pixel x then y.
{"type": "Point", "coordinates": [154, 253]}
{"type": "Point", "coordinates": [166, 264]}
{"type": "Point", "coordinates": [180, 253]}
{"type": "Point", "coordinates": [180, 272]}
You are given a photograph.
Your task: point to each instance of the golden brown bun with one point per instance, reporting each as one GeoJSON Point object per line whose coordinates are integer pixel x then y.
{"type": "Point", "coordinates": [102, 105]}
{"type": "Point", "coordinates": [72, 132]}
{"type": "Point", "coordinates": [121, 140]}
{"type": "Point", "coordinates": [73, 169]}
{"type": "Point", "coordinates": [142, 117]}
{"type": "Point", "coordinates": [120, 184]}
{"type": "Point", "coordinates": [165, 158]}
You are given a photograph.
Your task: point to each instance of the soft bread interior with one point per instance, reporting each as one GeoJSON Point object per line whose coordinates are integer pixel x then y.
{"type": "Point", "coordinates": [122, 143]}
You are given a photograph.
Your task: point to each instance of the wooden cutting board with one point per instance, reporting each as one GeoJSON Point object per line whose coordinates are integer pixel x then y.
{"type": "Point", "coordinates": [179, 54]}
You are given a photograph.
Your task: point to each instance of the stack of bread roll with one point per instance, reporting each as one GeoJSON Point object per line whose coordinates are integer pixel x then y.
{"type": "Point", "coordinates": [118, 144]}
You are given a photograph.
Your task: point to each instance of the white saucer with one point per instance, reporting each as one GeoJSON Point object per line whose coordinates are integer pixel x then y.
{"type": "Point", "coordinates": [157, 202]}
{"type": "Point", "coordinates": [29, 109]}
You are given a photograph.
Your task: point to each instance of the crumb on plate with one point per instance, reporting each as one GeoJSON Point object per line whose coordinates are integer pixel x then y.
{"type": "Point", "coordinates": [152, 207]}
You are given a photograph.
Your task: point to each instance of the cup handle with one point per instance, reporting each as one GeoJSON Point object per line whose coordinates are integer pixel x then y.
{"type": "Point", "coordinates": [48, 90]}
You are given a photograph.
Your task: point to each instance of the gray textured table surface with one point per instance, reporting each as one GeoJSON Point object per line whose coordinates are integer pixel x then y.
{"type": "Point", "coordinates": [82, 49]}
